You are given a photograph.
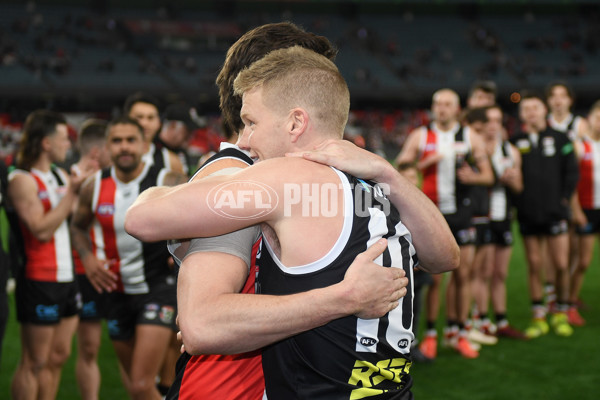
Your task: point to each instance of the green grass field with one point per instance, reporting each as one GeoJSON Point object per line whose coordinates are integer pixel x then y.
{"type": "Point", "coordinates": [549, 368]}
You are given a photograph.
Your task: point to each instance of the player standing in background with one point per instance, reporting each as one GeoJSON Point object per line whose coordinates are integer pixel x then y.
{"type": "Point", "coordinates": [46, 296]}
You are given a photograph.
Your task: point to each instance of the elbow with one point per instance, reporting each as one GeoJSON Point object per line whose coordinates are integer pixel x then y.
{"type": "Point", "coordinates": [454, 258]}
{"type": "Point", "coordinates": [447, 259]}
{"type": "Point", "coordinates": [44, 236]}
{"type": "Point", "coordinates": [138, 226]}
{"type": "Point", "coordinates": [198, 338]}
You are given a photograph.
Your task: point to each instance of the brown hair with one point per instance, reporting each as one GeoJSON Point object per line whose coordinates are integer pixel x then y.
{"type": "Point", "coordinates": [38, 125]}
{"type": "Point", "coordinates": [252, 46]}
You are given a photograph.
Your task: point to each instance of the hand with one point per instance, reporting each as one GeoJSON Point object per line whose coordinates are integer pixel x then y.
{"type": "Point", "coordinates": [346, 157]}
{"type": "Point", "coordinates": [77, 179]}
{"type": "Point", "coordinates": [99, 274]}
{"type": "Point", "coordinates": [509, 176]}
{"type": "Point", "coordinates": [466, 174]}
{"type": "Point", "coordinates": [179, 337]}
{"type": "Point", "coordinates": [374, 289]}
{"type": "Point", "coordinates": [579, 218]}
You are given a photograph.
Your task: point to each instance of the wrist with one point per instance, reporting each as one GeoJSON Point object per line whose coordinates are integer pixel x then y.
{"type": "Point", "coordinates": [385, 172]}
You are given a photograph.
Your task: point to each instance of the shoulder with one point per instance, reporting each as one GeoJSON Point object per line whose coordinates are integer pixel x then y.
{"type": "Point", "coordinates": [21, 184]}
{"type": "Point", "coordinates": [87, 187]}
{"type": "Point", "coordinates": [218, 165]}
{"type": "Point", "coordinates": [20, 176]}
{"type": "Point", "coordinates": [289, 169]}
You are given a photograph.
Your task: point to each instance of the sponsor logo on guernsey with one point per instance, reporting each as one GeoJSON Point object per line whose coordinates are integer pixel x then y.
{"type": "Point", "coordinates": [523, 145]}
{"type": "Point", "coordinates": [151, 311]}
{"type": "Point", "coordinates": [167, 314]}
{"type": "Point", "coordinates": [43, 195]}
{"type": "Point", "coordinates": [461, 148]}
{"type": "Point", "coordinates": [366, 377]}
{"type": "Point", "coordinates": [89, 309]}
{"type": "Point", "coordinates": [47, 313]}
{"type": "Point", "coordinates": [367, 341]}
{"type": "Point", "coordinates": [113, 327]}
{"type": "Point", "coordinates": [106, 209]}
{"type": "Point", "coordinates": [548, 147]}
{"type": "Point", "coordinates": [430, 147]}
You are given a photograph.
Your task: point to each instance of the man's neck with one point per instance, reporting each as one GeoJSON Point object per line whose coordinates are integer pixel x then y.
{"type": "Point", "coordinates": [43, 163]}
{"type": "Point", "coordinates": [538, 127]}
{"type": "Point", "coordinates": [127, 177]}
{"type": "Point", "coordinates": [490, 143]}
{"type": "Point", "coordinates": [445, 126]}
{"type": "Point", "coordinates": [559, 115]}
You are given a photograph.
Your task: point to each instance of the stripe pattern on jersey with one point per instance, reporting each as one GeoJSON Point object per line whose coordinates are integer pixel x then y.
{"type": "Point", "coordinates": [439, 180]}
{"type": "Point", "coordinates": [49, 261]}
{"type": "Point", "coordinates": [500, 201]}
{"type": "Point", "coordinates": [589, 175]}
{"type": "Point", "coordinates": [569, 126]}
{"type": "Point", "coordinates": [137, 264]}
{"type": "Point", "coordinates": [348, 358]}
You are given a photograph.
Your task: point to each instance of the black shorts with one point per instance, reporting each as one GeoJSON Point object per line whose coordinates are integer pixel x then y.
{"type": "Point", "coordinates": [45, 303]}
{"type": "Point", "coordinates": [483, 235]}
{"type": "Point", "coordinates": [552, 228]}
{"type": "Point", "coordinates": [593, 225]}
{"type": "Point", "coordinates": [462, 229]}
{"type": "Point", "coordinates": [93, 305]}
{"type": "Point", "coordinates": [125, 311]}
{"type": "Point", "coordinates": [501, 233]}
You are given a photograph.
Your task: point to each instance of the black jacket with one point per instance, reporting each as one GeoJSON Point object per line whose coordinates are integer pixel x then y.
{"type": "Point", "coordinates": [550, 175]}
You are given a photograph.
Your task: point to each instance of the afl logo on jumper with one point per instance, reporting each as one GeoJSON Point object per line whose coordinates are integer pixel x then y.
{"type": "Point", "coordinates": [368, 342]}
{"type": "Point", "coordinates": [43, 195]}
{"type": "Point", "coordinates": [106, 209]}
{"type": "Point", "coordinates": [403, 343]}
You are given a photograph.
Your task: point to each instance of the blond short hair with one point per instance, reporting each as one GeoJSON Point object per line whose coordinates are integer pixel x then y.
{"type": "Point", "coordinates": [297, 77]}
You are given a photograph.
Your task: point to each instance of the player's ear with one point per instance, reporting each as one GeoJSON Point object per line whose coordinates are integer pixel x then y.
{"type": "Point", "coordinates": [298, 123]}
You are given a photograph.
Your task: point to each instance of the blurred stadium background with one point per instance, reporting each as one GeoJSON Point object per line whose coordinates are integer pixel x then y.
{"type": "Point", "coordinates": [87, 56]}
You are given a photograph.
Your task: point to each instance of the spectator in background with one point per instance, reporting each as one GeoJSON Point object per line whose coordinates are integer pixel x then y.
{"type": "Point", "coordinates": [482, 94]}
{"type": "Point", "coordinates": [145, 110]}
{"type": "Point", "coordinates": [141, 299]}
{"type": "Point", "coordinates": [550, 176]}
{"type": "Point", "coordinates": [475, 120]}
{"type": "Point", "coordinates": [560, 98]}
{"type": "Point", "coordinates": [47, 295]}
{"type": "Point", "coordinates": [177, 127]}
{"type": "Point", "coordinates": [93, 156]}
{"type": "Point", "coordinates": [586, 215]}
{"type": "Point", "coordinates": [452, 160]}
{"type": "Point", "coordinates": [497, 238]}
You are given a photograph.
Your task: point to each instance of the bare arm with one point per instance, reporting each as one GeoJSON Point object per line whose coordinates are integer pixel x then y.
{"type": "Point", "coordinates": [512, 177]}
{"type": "Point", "coordinates": [22, 191]}
{"type": "Point", "coordinates": [437, 250]}
{"type": "Point", "coordinates": [175, 163]}
{"type": "Point", "coordinates": [583, 129]}
{"type": "Point", "coordinates": [213, 316]}
{"type": "Point", "coordinates": [96, 270]}
{"type": "Point", "coordinates": [484, 174]}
